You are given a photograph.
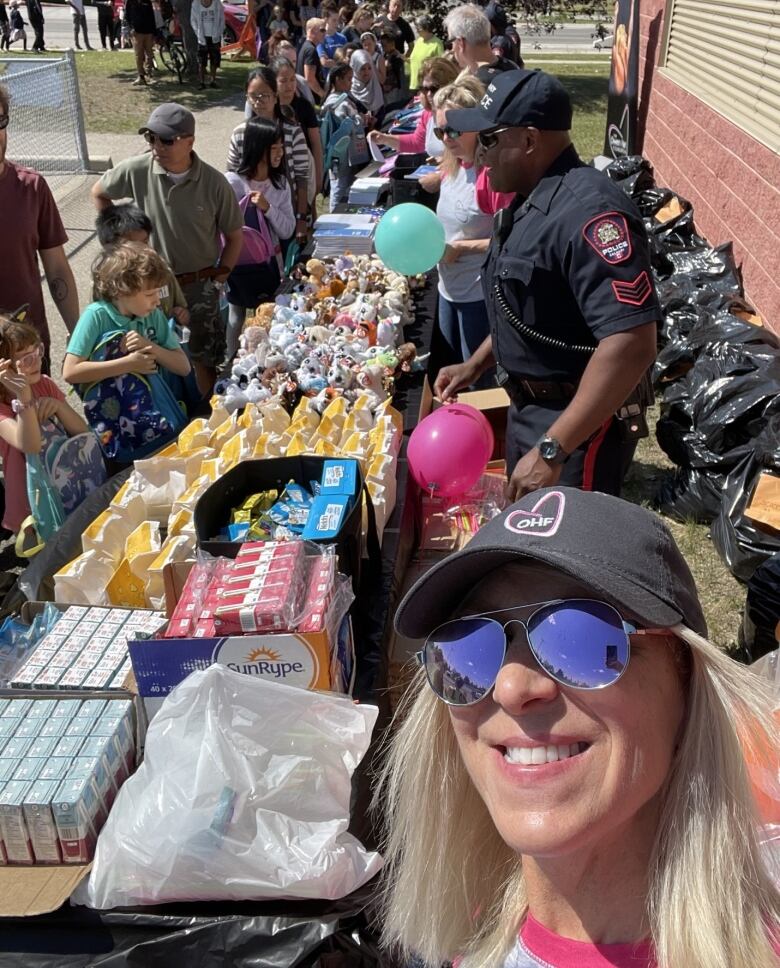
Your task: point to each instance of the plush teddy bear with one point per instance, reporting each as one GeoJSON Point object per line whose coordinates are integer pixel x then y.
{"type": "Point", "coordinates": [316, 270]}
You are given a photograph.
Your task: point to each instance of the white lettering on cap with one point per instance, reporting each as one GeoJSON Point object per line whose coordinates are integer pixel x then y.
{"type": "Point", "coordinates": [486, 101]}
{"type": "Point", "coordinates": [538, 522]}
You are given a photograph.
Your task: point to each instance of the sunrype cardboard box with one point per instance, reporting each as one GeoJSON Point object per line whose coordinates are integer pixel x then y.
{"type": "Point", "coordinates": [27, 891]}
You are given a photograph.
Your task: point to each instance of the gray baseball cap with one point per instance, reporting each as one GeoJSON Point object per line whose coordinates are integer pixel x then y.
{"type": "Point", "coordinates": [170, 120]}
{"type": "Point", "coordinates": [621, 551]}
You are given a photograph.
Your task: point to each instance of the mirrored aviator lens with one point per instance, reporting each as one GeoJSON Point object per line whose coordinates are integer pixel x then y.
{"type": "Point", "coordinates": [463, 658]}
{"type": "Point", "coordinates": [580, 643]}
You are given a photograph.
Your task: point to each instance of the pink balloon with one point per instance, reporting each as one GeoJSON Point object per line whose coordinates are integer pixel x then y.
{"type": "Point", "coordinates": [449, 449]}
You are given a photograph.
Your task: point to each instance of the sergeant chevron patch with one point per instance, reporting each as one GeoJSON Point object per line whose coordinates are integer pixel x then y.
{"type": "Point", "coordinates": [634, 293]}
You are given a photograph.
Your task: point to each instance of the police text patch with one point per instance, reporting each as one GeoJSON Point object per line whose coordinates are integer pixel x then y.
{"type": "Point", "coordinates": [608, 235]}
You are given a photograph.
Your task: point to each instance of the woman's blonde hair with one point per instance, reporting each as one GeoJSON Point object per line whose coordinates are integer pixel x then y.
{"type": "Point", "coordinates": [453, 887]}
{"type": "Point", "coordinates": [127, 268]}
{"type": "Point", "coordinates": [465, 92]}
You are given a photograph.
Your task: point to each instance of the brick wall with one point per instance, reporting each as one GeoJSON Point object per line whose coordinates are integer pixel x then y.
{"type": "Point", "coordinates": [732, 180]}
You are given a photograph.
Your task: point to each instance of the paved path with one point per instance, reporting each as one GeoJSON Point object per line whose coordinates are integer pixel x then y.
{"type": "Point", "coordinates": [212, 135]}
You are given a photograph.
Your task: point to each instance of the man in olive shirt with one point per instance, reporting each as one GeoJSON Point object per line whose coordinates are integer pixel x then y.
{"type": "Point", "coordinates": [190, 204]}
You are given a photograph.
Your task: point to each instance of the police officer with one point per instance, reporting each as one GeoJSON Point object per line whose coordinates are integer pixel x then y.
{"type": "Point", "coordinates": [569, 291]}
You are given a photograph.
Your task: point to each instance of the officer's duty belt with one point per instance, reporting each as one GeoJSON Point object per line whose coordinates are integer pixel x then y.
{"type": "Point", "coordinates": [524, 391]}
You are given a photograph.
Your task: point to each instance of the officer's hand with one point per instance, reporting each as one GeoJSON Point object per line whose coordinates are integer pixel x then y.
{"type": "Point", "coordinates": [452, 379]}
{"type": "Point", "coordinates": [531, 472]}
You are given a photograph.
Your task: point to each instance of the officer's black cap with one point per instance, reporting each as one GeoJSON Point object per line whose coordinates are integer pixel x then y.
{"type": "Point", "coordinates": [517, 99]}
{"type": "Point", "coordinates": [624, 553]}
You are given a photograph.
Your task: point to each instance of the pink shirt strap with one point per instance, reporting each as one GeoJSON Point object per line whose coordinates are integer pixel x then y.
{"type": "Point", "coordinates": [489, 201]}
{"type": "Point", "coordinates": [558, 952]}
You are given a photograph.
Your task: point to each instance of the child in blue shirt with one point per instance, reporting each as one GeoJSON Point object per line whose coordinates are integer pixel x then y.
{"type": "Point", "coordinates": [127, 282]}
{"type": "Point", "coordinates": [124, 356]}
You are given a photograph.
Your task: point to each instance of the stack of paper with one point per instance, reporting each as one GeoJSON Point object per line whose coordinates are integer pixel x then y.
{"type": "Point", "coordinates": [335, 234]}
{"type": "Point", "coordinates": [366, 191]}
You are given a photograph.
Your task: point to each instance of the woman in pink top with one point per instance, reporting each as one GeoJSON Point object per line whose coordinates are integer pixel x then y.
{"type": "Point", "coordinates": [436, 73]}
{"type": "Point", "coordinates": [569, 784]}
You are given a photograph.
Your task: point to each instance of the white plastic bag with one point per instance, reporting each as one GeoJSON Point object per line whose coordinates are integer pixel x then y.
{"type": "Point", "coordinates": [243, 794]}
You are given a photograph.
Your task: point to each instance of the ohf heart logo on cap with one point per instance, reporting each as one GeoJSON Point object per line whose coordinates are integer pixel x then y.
{"type": "Point", "coordinates": [543, 520]}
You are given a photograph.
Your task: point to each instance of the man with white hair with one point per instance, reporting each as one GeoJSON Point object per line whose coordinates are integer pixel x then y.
{"type": "Point", "coordinates": [468, 30]}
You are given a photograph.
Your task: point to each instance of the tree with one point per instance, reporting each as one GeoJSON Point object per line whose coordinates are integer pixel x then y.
{"type": "Point", "coordinates": [183, 9]}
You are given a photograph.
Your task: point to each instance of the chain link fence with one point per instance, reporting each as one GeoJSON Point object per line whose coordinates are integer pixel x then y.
{"type": "Point", "coordinates": [47, 122]}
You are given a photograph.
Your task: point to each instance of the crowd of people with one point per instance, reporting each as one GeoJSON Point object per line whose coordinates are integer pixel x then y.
{"type": "Point", "coordinates": [196, 248]}
{"type": "Point", "coordinates": [585, 760]}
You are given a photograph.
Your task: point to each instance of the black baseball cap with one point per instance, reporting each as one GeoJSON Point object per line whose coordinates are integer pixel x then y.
{"type": "Point", "coordinates": [170, 120]}
{"type": "Point", "coordinates": [517, 99]}
{"type": "Point", "coordinates": [621, 551]}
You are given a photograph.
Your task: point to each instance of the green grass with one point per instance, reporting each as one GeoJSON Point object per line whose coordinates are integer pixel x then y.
{"type": "Point", "coordinates": [587, 85]}
{"type": "Point", "coordinates": [112, 105]}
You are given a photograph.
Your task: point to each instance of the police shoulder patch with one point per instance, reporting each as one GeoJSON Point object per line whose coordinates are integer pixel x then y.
{"type": "Point", "coordinates": [608, 235]}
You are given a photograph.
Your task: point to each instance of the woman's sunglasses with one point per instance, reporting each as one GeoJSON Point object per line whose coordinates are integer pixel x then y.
{"type": "Point", "coordinates": [430, 89]}
{"type": "Point", "coordinates": [448, 131]}
{"type": "Point", "coordinates": [582, 644]}
{"type": "Point", "coordinates": [30, 359]}
{"type": "Point", "coordinates": [4, 119]}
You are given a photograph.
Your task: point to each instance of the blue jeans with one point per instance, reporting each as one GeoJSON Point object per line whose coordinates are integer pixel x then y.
{"type": "Point", "coordinates": [465, 327]}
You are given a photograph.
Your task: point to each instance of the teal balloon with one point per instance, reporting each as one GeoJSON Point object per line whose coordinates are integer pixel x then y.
{"type": "Point", "coordinates": [409, 239]}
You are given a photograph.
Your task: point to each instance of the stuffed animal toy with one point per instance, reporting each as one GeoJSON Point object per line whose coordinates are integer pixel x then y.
{"type": "Point", "coordinates": [371, 381]}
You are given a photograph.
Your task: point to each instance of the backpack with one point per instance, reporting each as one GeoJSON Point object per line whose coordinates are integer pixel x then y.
{"type": "Point", "coordinates": [68, 470]}
{"type": "Point", "coordinates": [256, 276]}
{"type": "Point", "coordinates": [343, 142]}
{"type": "Point", "coordinates": [132, 414]}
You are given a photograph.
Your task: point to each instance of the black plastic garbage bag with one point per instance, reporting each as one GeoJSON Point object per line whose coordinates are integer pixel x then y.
{"type": "Point", "coordinates": [634, 174]}
{"type": "Point", "coordinates": [710, 270]}
{"type": "Point", "coordinates": [762, 610]}
{"type": "Point", "coordinates": [312, 934]}
{"type": "Point", "coordinates": [710, 417]}
{"type": "Point", "coordinates": [677, 234]}
{"type": "Point", "coordinates": [742, 545]}
{"type": "Point", "coordinates": [652, 200]}
{"type": "Point", "coordinates": [690, 495]}
{"type": "Point", "coordinates": [715, 337]}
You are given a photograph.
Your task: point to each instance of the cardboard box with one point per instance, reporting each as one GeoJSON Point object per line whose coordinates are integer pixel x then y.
{"type": "Point", "coordinates": [309, 660]}
{"type": "Point", "coordinates": [493, 403]}
{"type": "Point", "coordinates": [30, 890]}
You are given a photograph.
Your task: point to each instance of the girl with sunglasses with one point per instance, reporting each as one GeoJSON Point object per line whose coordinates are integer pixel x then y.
{"type": "Point", "coordinates": [465, 208]}
{"type": "Point", "coordinates": [33, 411]}
{"type": "Point", "coordinates": [263, 102]}
{"type": "Point", "coordinates": [569, 783]}
{"type": "Point", "coordinates": [436, 73]}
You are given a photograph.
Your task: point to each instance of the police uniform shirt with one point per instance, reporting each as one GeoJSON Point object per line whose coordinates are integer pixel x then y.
{"type": "Point", "coordinates": [574, 266]}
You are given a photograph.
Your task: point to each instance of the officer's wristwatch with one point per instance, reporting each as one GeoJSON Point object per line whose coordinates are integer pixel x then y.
{"type": "Point", "coordinates": [550, 450]}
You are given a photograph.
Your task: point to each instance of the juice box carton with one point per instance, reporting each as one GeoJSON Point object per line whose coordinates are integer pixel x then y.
{"type": "Point", "coordinates": [40, 821]}
{"type": "Point", "coordinates": [13, 827]}
{"type": "Point", "coordinates": [75, 809]}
